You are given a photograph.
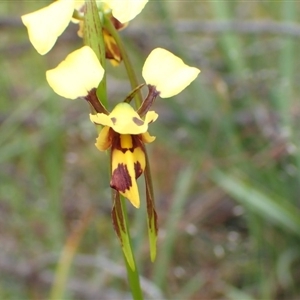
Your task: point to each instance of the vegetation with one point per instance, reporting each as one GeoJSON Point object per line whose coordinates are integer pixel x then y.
{"type": "Point", "coordinates": [225, 164]}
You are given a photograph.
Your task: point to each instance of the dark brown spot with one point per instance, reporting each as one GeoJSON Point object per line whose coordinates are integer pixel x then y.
{"type": "Point", "coordinates": [138, 169]}
{"type": "Point", "coordinates": [116, 143]}
{"type": "Point", "coordinates": [120, 179]}
{"type": "Point", "coordinates": [137, 121]}
{"type": "Point", "coordinates": [114, 120]}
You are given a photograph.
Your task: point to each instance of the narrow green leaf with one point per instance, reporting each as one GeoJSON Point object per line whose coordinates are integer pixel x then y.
{"type": "Point", "coordinates": [151, 213]}
{"type": "Point", "coordinates": [285, 264]}
{"type": "Point", "coordinates": [183, 184]}
{"type": "Point", "coordinates": [230, 43]}
{"type": "Point", "coordinates": [119, 223]}
{"type": "Point", "coordinates": [152, 223]}
{"type": "Point", "coordinates": [233, 293]}
{"type": "Point", "coordinates": [276, 210]}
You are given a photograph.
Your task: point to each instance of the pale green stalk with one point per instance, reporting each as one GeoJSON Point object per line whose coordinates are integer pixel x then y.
{"type": "Point", "coordinates": [128, 65]}
{"type": "Point", "coordinates": [133, 275]}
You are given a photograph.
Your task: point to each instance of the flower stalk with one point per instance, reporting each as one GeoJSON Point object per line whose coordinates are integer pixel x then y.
{"type": "Point", "coordinates": [132, 273]}
{"type": "Point", "coordinates": [124, 130]}
{"type": "Point", "coordinates": [128, 65]}
{"type": "Point", "coordinates": [93, 37]}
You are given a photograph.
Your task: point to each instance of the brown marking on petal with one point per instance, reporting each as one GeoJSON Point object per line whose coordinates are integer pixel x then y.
{"type": "Point", "coordinates": [120, 179]}
{"type": "Point", "coordinates": [137, 121]}
{"type": "Point", "coordinates": [114, 120]}
{"type": "Point", "coordinates": [138, 169]}
{"type": "Point", "coordinates": [136, 142]}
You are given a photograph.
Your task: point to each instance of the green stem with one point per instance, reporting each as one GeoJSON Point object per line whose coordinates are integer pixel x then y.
{"type": "Point", "coordinates": [132, 275]}
{"type": "Point", "coordinates": [93, 37]}
{"type": "Point", "coordinates": [128, 65]}
{"type": "Point", "coordinates": [138, 101]}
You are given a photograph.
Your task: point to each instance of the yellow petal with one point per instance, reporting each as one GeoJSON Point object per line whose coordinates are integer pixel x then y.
{"type": "Point", "coordinates": [103, 142]}
{"type": "Point", "coordinates": [125, 10]}
{"type": "Point", "coordinates": [151, 116]}
{"type": "Point", "coordinates": [77, 74]}
{"type": "Point", "coordinates": [125, 120]}
{"type": "Point", "coordinates": [47, 24]}
{"type": "Point", "coordinates": [147, 138]}
{"type": "Point", "coordinates": [101, 119]}
{"type": "Point", "coordinates": [127, 166]}
{"type": "Point", "coordinates": [167, 72]}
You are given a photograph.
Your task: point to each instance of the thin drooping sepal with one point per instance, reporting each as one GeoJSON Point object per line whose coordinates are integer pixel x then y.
{"type": "Point", "coordinates": [120, 226]}
{"type": "Point", "coordinates": [151, 213]}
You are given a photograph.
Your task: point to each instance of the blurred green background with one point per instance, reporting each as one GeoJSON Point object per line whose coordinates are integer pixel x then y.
{"type": "Point", "coordinates": [225, 164]}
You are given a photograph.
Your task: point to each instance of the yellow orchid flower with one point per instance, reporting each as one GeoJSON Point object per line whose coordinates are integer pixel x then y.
{"type": "Point", "coordinates": [80, 72]}
{"type": "Point", "coordinates": [47, 24]}
{"type": "Point", "coordinates": [125, 132]}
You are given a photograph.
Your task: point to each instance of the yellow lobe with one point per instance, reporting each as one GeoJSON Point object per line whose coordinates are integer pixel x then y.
{"type": "Point", "coordinates": [101, 119]}
{"type": "Point", "coordinates": [151, 116]}
{"type": "Point", "coordinates": [147, 138]}
{"type": "Point", "coordinates": [47, 24]}
{"type": "Point", "coordinates": [167, 72]}
{"type": "Point", "coordinates": [125, 10]}
{"type": "Point", "coordinates": [77, 74]}
{"type": "Point", "coordinates": [103, 142]}
{"type": "Point", "coordinates": [125, 120]}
